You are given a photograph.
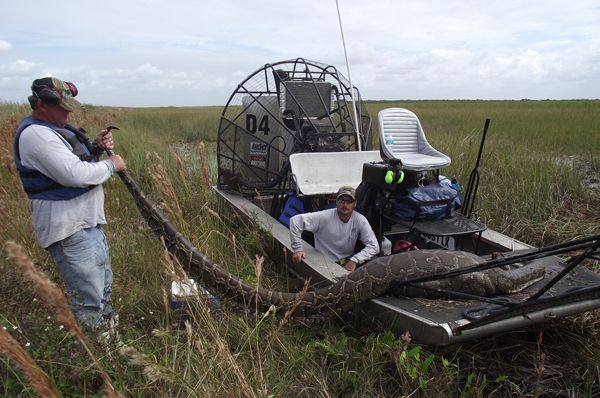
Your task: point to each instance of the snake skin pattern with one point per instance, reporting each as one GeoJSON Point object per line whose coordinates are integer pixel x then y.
{"type": "Point", "coordinates": [371, 280]}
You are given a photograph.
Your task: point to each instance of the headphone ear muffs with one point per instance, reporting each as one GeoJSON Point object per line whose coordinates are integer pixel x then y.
{"type": "Point", "coordinates": [49, 96]}
{"type": "Point", "coordinates": [399, 177]}
{"type": "Point", "coordinates": [43, 90]}
{"type": "Point", "coordinates": [389, 177]}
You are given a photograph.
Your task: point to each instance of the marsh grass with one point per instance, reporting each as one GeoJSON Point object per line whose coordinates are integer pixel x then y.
{"type": "Point", "coordinates": [536, 155]}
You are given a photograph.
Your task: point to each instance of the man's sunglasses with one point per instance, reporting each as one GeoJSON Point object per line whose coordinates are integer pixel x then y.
{"type": "Point", "coordinates": [343, 201]}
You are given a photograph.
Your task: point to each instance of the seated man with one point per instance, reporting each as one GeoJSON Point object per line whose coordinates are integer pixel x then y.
{"type": "Point", "coordinates": [336, 232]}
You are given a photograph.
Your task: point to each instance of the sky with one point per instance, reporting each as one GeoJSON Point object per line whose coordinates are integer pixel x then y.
{"type": "Point", "coordinates": [195, 52]}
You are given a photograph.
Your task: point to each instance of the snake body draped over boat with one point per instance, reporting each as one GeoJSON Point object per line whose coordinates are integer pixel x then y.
{"type": "Point", "coordinates": [371, 280]}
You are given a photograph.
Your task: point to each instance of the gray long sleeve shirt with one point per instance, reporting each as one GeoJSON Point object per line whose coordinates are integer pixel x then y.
{"type": "Point", "coordinates": [333, 237]}
{"type": "Point", "coordinates": [44, 150]}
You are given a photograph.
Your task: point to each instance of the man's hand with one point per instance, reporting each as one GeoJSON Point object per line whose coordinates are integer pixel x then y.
{"type": "Point", "coordinates": [350, 265]}
{"type": "Point", "coordinates": [298, 257]}
{"type": "Point", "coordinates": [118, 162]}
{"type": "Point", "coordinates": [104, 140]}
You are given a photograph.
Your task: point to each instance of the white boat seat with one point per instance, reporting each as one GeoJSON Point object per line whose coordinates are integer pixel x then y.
{"type": "Point", "coordinates": [401, 137]}
{"type": "Point", "coordinates": [320, 173]}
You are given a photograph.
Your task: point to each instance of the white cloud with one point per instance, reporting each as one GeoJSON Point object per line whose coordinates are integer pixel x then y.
{"type": "Point", "coordinates": [148, 70]}
{"type": "Point", "coordinates": [195, 53]}
{"type": "Point", "coordinates": [19, 68]}
{"type": "Point", "coordinates": [4, 45]}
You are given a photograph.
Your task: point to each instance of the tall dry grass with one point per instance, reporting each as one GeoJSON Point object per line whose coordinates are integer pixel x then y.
{"type": "Point", "coordinates": [36, 377]}
{"type": "Point", "coordinates": [201, 343]}
{"type": "Point", "coordinates": [159, 175]}
{"type": "Point", "coordinates": [205, 181]}
{"type": "Point", "coordinates": [54, 297]}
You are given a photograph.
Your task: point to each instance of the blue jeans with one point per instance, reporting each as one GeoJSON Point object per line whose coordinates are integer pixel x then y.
{"type": "Point", "coordinates": [84, 265]}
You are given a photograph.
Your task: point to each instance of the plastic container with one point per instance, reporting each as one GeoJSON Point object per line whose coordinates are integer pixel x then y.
{"type": "Point", "coordinates": [182, 298]}
{"type": "Point", "coordinates": [386, 246]}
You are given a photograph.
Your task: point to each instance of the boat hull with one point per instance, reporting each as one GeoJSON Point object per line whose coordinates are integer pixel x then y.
{"type": "Point", "coordinates": [429, 321]}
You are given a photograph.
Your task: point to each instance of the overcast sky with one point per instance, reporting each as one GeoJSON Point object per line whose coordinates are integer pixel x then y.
{"type": "Point", "coordinates": [195, 52]}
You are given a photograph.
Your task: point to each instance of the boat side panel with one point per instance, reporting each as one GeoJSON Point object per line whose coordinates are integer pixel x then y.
{"type": "Point", "coordinates": [315, 266]}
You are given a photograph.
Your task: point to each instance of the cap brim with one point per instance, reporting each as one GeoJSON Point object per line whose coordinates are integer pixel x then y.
{"type": "Point", "coordinates": [70, 104]}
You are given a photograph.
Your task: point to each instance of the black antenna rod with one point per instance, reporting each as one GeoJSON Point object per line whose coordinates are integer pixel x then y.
{"type": "Point", "coordinates": [473, 185]}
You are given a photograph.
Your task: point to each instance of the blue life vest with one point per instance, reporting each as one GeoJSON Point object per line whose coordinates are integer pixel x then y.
{"type": "Point", "coordinates": [39, 186]}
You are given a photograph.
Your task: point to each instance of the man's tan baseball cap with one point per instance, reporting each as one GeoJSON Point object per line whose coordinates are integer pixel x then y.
{"type": "Point", "coordinates": [346, 190]}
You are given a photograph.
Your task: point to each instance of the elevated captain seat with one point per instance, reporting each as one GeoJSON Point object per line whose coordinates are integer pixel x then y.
{"type": "Point", "coordinates": [403, 147]}
{"type": "Point", "coordinates": [401, 137]}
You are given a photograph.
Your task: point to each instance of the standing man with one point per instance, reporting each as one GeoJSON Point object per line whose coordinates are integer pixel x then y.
{"type": "Point", "coordinates": [62, 176]}
{"type": "Point", "coordinates": [336, 232]}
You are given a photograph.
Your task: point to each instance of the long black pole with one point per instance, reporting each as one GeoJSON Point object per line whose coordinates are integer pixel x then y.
{"type": "Point", "coordinates": [473, 185]}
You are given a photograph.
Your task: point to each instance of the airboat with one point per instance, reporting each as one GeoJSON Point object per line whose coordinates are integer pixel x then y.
{"type": "Point", "coordinates": [299, 128]}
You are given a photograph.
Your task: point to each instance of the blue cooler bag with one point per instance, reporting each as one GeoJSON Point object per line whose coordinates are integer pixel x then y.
{"type": "Point", "coordinates": [292, 206]}
{"type": "Point", "coordinates": [430, 202]}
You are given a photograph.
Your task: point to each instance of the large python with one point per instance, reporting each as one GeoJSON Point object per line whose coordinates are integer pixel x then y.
{"type": "Point", "coordinates": [371, 280]}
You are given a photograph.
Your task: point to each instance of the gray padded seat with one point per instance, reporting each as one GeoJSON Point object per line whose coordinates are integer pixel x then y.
{"type": "Point", "coordinates": [401, 137]}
